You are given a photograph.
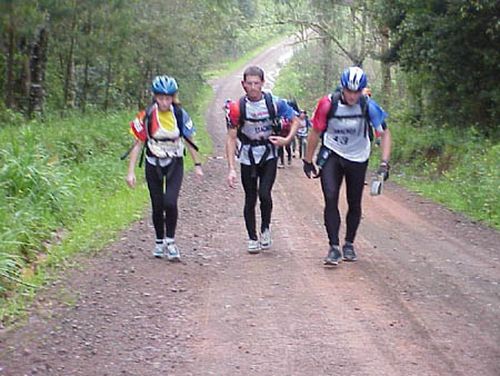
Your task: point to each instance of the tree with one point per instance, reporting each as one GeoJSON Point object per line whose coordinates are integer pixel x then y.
{"type": "Point", "coordinates": [454, 48]}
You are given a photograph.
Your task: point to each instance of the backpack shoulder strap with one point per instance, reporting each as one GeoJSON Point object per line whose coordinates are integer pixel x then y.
{"type": "Point", "coordinates": [270, 105]}
{"type": "Point", "coordinates": [335, 98]}
{"type": "Point", "coordinates": [363, 101]}
{"type": "Point", "coordinates": [147, 118]}
{"type": "Point", "coordinates": [179, 117]}
{"type": "Point", "coordinates": [243, 111]}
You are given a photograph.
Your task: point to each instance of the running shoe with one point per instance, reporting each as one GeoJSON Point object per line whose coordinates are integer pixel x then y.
{"type": "Point", "coordinates": [253, 246]}
{"type": "Point", "coordinates": [348, 252]}
{"type": "Point", "coordinates": [173, 253]}
{"type": "Point", "coordinates": [333, 256]}
{"type": "Point", "coordinates": [265, 239]}
{"type": "Point", "coordinates": [158, 251]}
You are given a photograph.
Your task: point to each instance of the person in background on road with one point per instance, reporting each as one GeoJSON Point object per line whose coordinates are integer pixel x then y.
{"type": "Point", "coordinates": [285, 131]}
{"type": "Point", "coordinates": [164, 128]}
{"type": "Point", "coordinates": [344, 152]}
{"type": "Point", "coordinates": [293, 145]}
{"type": "Point", "coordinates": [302, 132]}
{"type": "Point", "coordinates": [226, 107]}
{"type": "Point", "coordinates": [253, 122]}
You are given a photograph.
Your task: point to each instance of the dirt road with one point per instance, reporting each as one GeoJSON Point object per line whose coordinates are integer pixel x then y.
{"type": "Point", "coordinates": [423, 299]}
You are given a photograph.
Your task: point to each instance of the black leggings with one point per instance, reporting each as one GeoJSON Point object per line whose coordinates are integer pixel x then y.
{"type": "Point", "coordinates": [281, 153]}
{"type": "Point", "coordinates": [261, 185]}
{"type": "Point", "coordinates": [332, 174]}
{"type": "Point", "coordinates": [164, 185]}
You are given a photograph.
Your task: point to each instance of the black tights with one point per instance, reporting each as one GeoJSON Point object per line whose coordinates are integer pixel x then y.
{"type": "Point", "coordinates": [332, 174]}
{"type": "Point", "coordinates": [164, 185]}
{"type": "Point", "coordinates": [281, 153]}
{"type": "Point", "coordinates": [260, 185]}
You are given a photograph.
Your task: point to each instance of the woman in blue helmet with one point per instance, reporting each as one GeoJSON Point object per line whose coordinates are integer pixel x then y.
{"type": "Point", "coordinates": [165, 129]}
{"type": "Point", "coordinates": [342, 121]}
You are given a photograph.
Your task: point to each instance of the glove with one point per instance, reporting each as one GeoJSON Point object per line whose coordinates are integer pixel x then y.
{"type": "Point", "coordinates": [384, 170]}
{"type": "Point", "coordinates": [309, 169]}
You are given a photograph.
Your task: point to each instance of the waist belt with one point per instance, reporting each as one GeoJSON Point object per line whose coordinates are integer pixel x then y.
{"type": "Point", "coordinates": [247, 141]}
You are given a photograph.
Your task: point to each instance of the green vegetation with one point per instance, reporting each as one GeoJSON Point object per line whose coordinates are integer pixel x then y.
{"type": "Point", "coordinates": [63, 191]}
{"type": "Point", "coordinates": [87, 55]}
{"type": "Point", "coordinates": [458, 169]}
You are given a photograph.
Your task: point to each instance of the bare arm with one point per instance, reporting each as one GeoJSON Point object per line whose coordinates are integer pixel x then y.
{"type": "Point", "coordinates": [230, 153]}
{"type": "Point", "coordinates": [195, 156]}
{"type": "Point", "coordinates": [386, 145]}
{"type": "Point", "coordinates": [134, 154]}
{"type": "Point", "coordinates": [312, 143]}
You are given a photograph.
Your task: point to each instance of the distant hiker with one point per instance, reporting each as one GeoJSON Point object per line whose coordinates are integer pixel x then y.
{"type": "Point", "coordinates": [255, 122]}
{"type": "Point", "coordinates": [285, 131]}
{"type": "Point", "coordinates": [342, 120]}
{"type": "Point", "coordinates": [226, 107]}
{"type": "Point", "coordinates": [164, 129]}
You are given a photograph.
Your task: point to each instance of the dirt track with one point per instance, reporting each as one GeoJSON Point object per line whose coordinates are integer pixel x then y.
{"type": "Point", "coordinates": [423, 299]}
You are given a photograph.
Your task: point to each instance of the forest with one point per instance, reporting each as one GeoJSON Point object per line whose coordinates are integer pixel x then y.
{"type": "Point", "coordinates": [68, 67]}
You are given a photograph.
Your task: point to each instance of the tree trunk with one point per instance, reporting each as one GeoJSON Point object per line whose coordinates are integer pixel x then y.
{"type": "Point", "coordinates": [69, 80]}
{"type": "Point", "coordinates": [326, 63]}
{"type": "Point", "coordinates": [37, 67]}
{"type": "Point", "coordinates": [385, 68]}
{"type": "Point", "coordinates": [23, 82]}
{"type": "Point", "coordinates": [108, 85]}
{"type": "Point", "coordinates": [85, 85]}
{"type": "Point", "coordinates": [87, 30]}
{"type": "Point", "coordinates": [9, 85]}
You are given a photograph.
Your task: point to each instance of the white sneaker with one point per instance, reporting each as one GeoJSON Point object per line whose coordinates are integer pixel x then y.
{"type": "Point", "coordinates": [158, 251]}
{"type": "Point", "coordinates": [265, 239]}
{"type": "Point", "coordinates": [253, 246]}
{"type": "Point", "coordinates": [172, 251]}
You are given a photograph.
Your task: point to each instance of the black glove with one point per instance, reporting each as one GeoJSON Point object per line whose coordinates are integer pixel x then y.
{"type": "Point", "coordinates": [309, 169]}
{"type": "Point", "coordinates": [384, 170]}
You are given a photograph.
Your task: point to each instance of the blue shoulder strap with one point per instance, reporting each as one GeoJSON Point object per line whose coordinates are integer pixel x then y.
{"type": "Point", "coordinates": [179, 117]}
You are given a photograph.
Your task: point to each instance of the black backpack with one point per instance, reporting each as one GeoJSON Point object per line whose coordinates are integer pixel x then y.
{"type": "Point", "coordinates": [336, 95]}
{"type": "Point", "coordinates": [270, 109]}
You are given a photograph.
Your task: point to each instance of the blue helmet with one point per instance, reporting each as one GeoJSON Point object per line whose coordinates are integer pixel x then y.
{"type": "Point", "coordinates": [353, 78]}
{"type": "Point", "coordinates": [164, 85]}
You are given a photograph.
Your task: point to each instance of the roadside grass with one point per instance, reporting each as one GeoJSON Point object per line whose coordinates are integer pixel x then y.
{"type": "Point", "coordinates": [458, 169]}
{"type": "Point", "coordinates": [62, 191]}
